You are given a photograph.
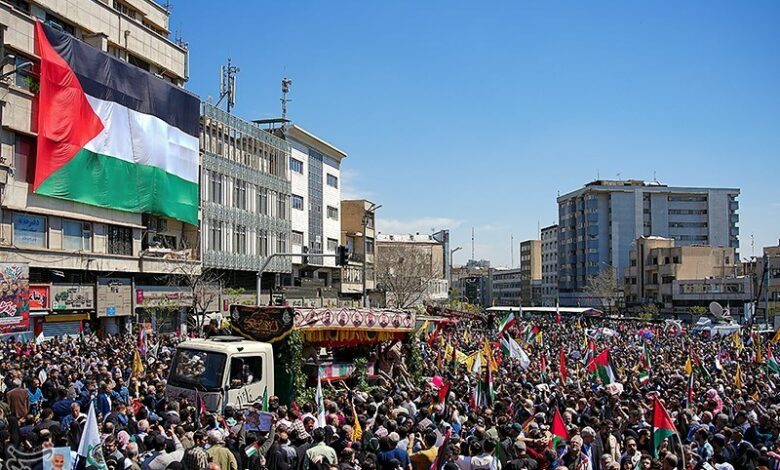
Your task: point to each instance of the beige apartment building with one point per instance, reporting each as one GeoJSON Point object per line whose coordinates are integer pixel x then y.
{"type": "Point", "coordinates": [531, 272]}
{"type": "Point", "coordinates": [411, 269]}
{"type": "Point", "coordinates": [358, 235]}
{"type": "Point", "coordinates": [680, 277]}
{"type": "Point", "coordinates": [90, 263]}
{"type": "Point", "coordinates": [768, 282]}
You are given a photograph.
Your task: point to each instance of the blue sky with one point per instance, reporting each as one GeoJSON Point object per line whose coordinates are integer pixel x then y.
{"type": "Point", "coordinates": [458, 114]}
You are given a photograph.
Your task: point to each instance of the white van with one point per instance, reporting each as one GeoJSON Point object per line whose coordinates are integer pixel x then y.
{"type": "Point", "coordinates": [224, 369]}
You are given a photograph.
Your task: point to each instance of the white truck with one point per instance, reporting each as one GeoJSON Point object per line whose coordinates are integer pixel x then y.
{"type": "Point", "coordinates": [224, 369]}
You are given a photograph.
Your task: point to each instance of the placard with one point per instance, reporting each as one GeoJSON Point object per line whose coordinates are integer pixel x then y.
{"type": "Point", "coordinates": [114, 297]}
{"type": "Point", "coordinates": [14, 297]}
{"type": "Point", "coordinates": [39, 297]}
{"type": "Point", "coordinates": [72, 297]}
{"type": "Point", "coordinates": [267, 324]}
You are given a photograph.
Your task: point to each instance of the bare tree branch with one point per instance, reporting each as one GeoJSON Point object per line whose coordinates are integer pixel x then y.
{"type": "Point", "coordinates": [404, 273]}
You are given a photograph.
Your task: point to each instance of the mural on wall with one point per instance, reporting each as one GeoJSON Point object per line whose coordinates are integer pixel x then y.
{"type": "Point", "coordinates": [14, 297]}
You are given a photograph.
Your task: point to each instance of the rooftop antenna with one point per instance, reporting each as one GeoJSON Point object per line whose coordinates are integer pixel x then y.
{"type": "Point", "coordinates": [286, 82]}
{"type": "Point", "coordinates": [227, 84]}
{"type": "Point", "coordinates": [512, 247]}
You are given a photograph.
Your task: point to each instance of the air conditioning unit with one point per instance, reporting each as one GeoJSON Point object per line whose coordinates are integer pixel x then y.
{"type": "Point", "coordinates": [86, 228]}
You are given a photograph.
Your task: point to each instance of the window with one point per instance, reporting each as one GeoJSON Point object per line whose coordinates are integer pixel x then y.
{"type": "Point", "coordinates": [262, 243]}
{"type": "Point", "coordinates": [58, 23]}
{"type": "Point", "coordinates": [29, 230]}
{"type": "Point", "coordinates": [215, 187]}
{"type": "Point", "coordinates": [24, 155]}
{"type": "Point", "coordinates": [215, 235]}
{"type": "Point", "coordinates": [76, 236]}
{"type": "Point", "coordinates": [239, 239]}
{"type": "Point", "coordinates": [262, 201]}
{"type": "Point", "coordinates": [281, 242]}
{"type": "Point", "coordinates": [297, 202]}
{"type": "Point", "coordinates": [676, 259]}
{"type": "Point", "coordinates": [24, 76]}
{"type": "Point", "coordinates": [122, 8]}
{"type": "Point", "coordinates": [138, 62]}
{"type": "Point", "coordinates": [245, 371]}
{"type": "Point", "coordinates": [239, 194]}
{"type": "Point", "coordinates": [281, 203]}
{"type": "Point", "coordinates": [120, 240]}
{"type": "Point", "coordinates": [296, 238]}
{"type": "Point", "coordinates": [633, 262]}
{"type": "Point", "coordinates": [333, 181]}
{"type": "Point", "coordinates": [296, 165]}
{"type": "Point", "coordinates": [333, 213]}
{"type": "Point", "coordinates": [369, 246]}
{"type": "Point", "coordinates": [332, 244]}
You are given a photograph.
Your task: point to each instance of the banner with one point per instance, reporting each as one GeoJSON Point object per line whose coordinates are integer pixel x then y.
{"type": "Point", "coordinates": [267, 324]}
{"type": "Point", "coordinates": [39, 297]}
{"type": "Point", "coordinates": [72, 297]}
{"type": "Point", "coordinates": [114, 297]}
{"type": "Point", "coordinates": [14, 297]}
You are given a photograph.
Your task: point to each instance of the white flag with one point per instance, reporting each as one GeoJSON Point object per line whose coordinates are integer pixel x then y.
{"type": "Point", "coordinates": [90, 447]}
{"type": "Point", "coordinates": [320, 404]}
{"type": "Point", "coordinates": [40, 338]}
{"type": "Point", "coordinates": [515, 351]}
{"type": "Point", "coordinates": [477, 367]}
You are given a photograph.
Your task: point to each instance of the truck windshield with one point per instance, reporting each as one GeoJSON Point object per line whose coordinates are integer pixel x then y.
{"type": "Point", "coordinates": [193, 368]}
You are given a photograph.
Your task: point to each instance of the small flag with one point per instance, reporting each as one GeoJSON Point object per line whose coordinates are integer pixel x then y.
{"type": "Point", "coordinates": [688, 368]}
{"type": "Point", "coordinates": [646, 357]}
{"type": "Point", "coordinates": [506, 322]}
{"type": "Point", "coordinates": [514, 351]}
{"type": "Point", "coordinates": [776, 337]}
{"type": "Point", "coordinates": [600, 367]}
{"type": "Point", "coordinates": [562, 366]}
{"type": "Point", "coordinates": [690, 390]}
{"type": "Point", "coordinates": [320, 403]}
{"type": "Point", "coordinates": [200, 406]}
{"type": "Point", "coordinates": [357, 430]}
{"type": "Point", "coordinates": [663, 426]}
{"type": "Point", "coordinates": [644, 377]}
{"type": "Point", "coordinates": [444, 390]}
{"type": "Point", "coordinates": [738, 377]}
{"type": "Point", "coordinates": [89, 447]}
{"type": "Point", "coordinates": [558, 429]}
{"type": "Point", "coordinates": [138, 365]}
{"type": "Point", "coordinates": [771, 362]}
{"type": "Point", "coordinates": [252, 449]}
{"type": "Point", "coordinates": [265, 398]}
{"type": "Point", "coordinates": [40, 338]}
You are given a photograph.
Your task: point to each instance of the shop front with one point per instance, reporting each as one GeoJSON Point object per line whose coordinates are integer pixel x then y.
{"type": "Point", "coordinates": [169, 309]}
{"type": "Point", "coordinates": [115, 304]}
{"type": "Point", "coordinates": [72, 305]}
{"type": "Point", "coordinates": [39, 301]}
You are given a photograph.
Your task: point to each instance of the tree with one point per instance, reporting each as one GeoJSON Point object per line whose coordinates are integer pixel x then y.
{"type": "Point", "coordinates": [603, 288]}
{"type": "Point", "coordinates": [202, 284]}
{"type": "Point", "coordinates": [649, 311]}
{"type": "Point", "coordinates": [405, 274]}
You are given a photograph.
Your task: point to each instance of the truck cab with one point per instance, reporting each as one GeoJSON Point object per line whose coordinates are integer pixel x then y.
{"type": "Point", "coordinates": [224, 370]}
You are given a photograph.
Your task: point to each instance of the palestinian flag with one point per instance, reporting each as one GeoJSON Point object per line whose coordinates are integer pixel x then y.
{"type": "Point", "coordinates": [558, 430]}
{"type": "Point", "coordinates": [600, 366]}
{"type": "Point", "coordinates": [663, 426]}
{"type": "Point", "coordinates": [506, 323]}
{"type": "Point", "coordinates": [646, 357]}
{"type": "Point", "coordinates": [771, 362]}
{"type": "Point", "coordinates": [112, 135]}
{"type": "Point", "coordinates": [690, 390]}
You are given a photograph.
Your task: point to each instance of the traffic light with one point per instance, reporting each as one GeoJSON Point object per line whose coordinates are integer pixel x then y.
{"type": "Point", "coordinates": [305, 258]}
{"type": "Point", "coordinates": [342, 253]}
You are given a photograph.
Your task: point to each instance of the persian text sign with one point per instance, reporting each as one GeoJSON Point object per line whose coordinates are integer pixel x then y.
{"type": "Point", "coordinates": [14, 297]}
{"type": "Point", "coordinates": [114, 297]}
{"type": "Point", "coordinates": [39, 297]}
{"type": "Point", "coordinates": [72, 297]}
{"type": "Point", "coordinates": [267, 324]}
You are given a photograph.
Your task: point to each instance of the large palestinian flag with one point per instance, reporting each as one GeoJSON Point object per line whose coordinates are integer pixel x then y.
{"type": "Point", "coordinates": [113, 135]}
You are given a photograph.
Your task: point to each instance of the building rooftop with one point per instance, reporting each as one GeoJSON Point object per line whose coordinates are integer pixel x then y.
{"type": "Point", "coordinates": [406, 238]}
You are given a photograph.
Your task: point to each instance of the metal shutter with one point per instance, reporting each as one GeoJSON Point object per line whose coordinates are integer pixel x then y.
{"type": "Point", "coordinates": [59, 329]}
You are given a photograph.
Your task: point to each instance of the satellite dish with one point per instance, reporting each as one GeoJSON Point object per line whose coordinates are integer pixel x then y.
{"type": "Point", "coordinates": [716, 309]}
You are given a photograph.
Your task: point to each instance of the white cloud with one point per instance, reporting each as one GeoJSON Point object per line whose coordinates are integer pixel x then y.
{"type": "Point", "coordinates": [350, 186]}
{"type": "Point", "coordinates": [421, 224]}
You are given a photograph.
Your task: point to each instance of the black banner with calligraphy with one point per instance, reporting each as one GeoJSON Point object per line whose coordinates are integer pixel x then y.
{"type": "Point", "coordinates": [266, 323]}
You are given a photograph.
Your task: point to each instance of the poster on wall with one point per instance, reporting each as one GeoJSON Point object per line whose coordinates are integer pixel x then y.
{"type": "Point", "coordinates": [14, 297]}
{"type": "Point", "coordinates": [72, 297]}
{"type": "Point", "coordinates": [114, 297]}
{"type": "Point", "coordinates": [39, 297]}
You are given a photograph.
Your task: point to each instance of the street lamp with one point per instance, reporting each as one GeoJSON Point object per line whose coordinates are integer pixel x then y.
{"type": "Point", "coordinates": [370, 211]}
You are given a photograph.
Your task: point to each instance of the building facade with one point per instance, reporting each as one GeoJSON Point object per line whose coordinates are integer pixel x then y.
{"type": "Point", "coordinates": [679, 277]}
{"type": "Point", "coordinates": [598, 223]}
{"type": "Point", "coordinates": [549, 237]}
{"type": "Point", "coordinates": [85, 260]}
{"type": "Point", "coordinates": [531, 272]}
{"type": "Point", "coordinates": [245, 199]}
{"type": "Point", "coordinates": [411, 269]}
{"type": "Point", "coordinates": [506, 287]}
{"type": "Point", "coordinates": [358, 235]}
{"type": "Point", "coordinates": [768, 282]}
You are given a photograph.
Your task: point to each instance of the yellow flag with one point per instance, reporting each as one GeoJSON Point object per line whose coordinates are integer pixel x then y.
{"type": "Point", "coordinates": [688, 368]}
{"type": "Point", "coordinates": [759, 352]}
{"type": "Point", "coordinates": [138, 366]}
{"type": "Point", "coordinates": [488, 354]}
{"type": "Point", "coordinates": [737, 341]}
{"type": "Point", "coordinates": [776, 337]}
{"type": "Point", "coordinates": [357, 430]}
{"type": "Point", "coordinates": [738, 377]}
{"type": "Point", "coordinates": [539, 338]}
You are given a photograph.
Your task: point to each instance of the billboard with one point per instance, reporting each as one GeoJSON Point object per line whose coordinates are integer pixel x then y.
{"type": "Point", "coordinates": [14, 297]}
{"type": "Point", "coordinates": [39, 297]}
{"type": "Point", "coordinates": [114, 297]}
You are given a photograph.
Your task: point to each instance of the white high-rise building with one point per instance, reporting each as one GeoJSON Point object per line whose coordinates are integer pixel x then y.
{"type": "Point", "coordinates": [550, 265]}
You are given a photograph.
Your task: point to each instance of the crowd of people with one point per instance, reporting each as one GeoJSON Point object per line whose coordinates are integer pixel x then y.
{"type": "Point", "coordinates": [464, 404]}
